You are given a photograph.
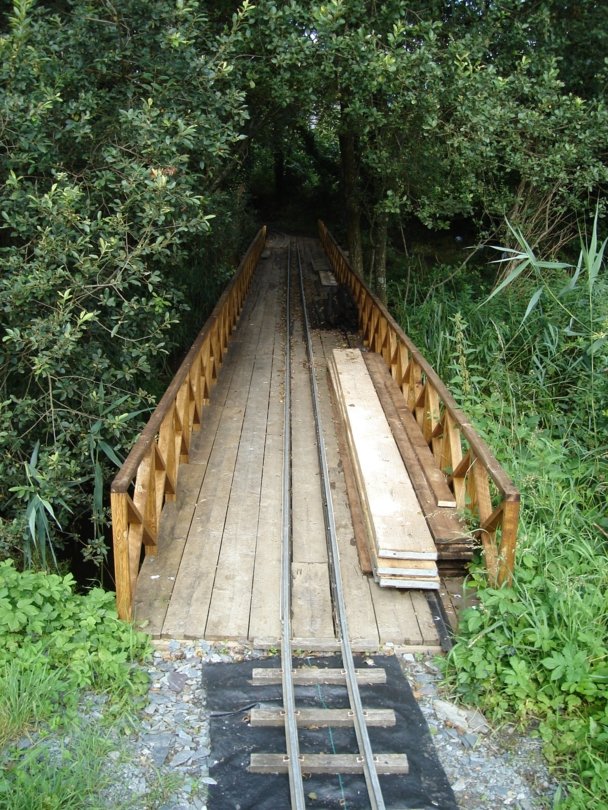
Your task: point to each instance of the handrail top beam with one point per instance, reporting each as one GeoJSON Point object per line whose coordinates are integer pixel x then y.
{"type": "Point", "coordinates": [128, 471]}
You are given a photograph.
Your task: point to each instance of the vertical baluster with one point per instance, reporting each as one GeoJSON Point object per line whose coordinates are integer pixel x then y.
{"type": "Point", "coordinates": [159, 476]}
{"type": "Point", "coordinates": [459, 478]}
{"type": "Point", "coordinates": [431, 412]}
{"type": "Point", "coordinates": [166, 446]}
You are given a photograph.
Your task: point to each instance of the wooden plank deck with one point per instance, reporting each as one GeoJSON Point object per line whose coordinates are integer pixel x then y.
{"type": "Point", "coordinates": [216, 573]}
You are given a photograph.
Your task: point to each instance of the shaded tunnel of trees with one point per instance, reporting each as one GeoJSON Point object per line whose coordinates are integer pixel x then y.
{"type": "Point", "coordinates": [142, 143]}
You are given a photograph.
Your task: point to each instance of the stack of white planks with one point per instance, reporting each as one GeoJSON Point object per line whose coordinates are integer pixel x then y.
{"type": "Point", "coordinates": [402, 549]}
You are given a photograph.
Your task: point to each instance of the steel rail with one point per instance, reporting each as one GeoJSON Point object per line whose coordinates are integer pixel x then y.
{"type": "Point", "coordinates": [365, 749]}
{"type": "Point", "coordinates": [296, 784]}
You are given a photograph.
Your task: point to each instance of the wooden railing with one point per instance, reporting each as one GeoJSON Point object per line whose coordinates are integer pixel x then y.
{"type": "Point", "coordinates": [148, 477]}
{"type": "Point", "coordinates": [480, 485]}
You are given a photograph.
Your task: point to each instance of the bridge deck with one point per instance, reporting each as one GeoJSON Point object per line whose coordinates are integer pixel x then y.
{"type": "Point", "coordinates": [216, 573]}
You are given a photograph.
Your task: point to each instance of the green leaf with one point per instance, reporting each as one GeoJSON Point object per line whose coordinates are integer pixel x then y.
{"type": "Point", "coordinates": [110, 453]}
{"type": "Point", "coordinates": [533, 302]}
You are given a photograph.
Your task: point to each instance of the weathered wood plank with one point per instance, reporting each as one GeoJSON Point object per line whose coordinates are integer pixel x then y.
{"type": "Point", "coordinates": [327, 278]}
{"type": "Point", "coordinates": [436, 412]}
{"type": "Point", "coordinates": [408, 435]}
{"type": "Point", "coordinates": [308, 522]}
{"type": "Point", "coordinates": [360, 529]}
{"type": "Point", "coordinates": [399, 527]}
{"type": "Point", "coordinates": [230, 605]}
{"type": "Point", "coordinates": [141, 452]}
{"type": "Point", "coordinates": [265, 618]}
{"type": "Point", "coordinates": [356, 585]}
{"type": "Point", "coordinates": [187, 612]}
{"type": "Point", "coordinates": [405, 582]}
{"type": "Point", "coordinates": [404, 568]}
{"type": "Point", "coordinates": [396, 616]}
{"type": "Point", "coordinates": [312, 615]}
{"type": "Point", "coordinates": [329, 763]}
{"type": "Point", "coordinates": [157, 575]}
{"type": "Point", "coordinates": [310, 676]}
{"type": "Point", "coordinates": [301, 646]}
{"type": "Point", "coordinates": [424, 618]}
{"type": "Point", "coordinates": [321, 718]}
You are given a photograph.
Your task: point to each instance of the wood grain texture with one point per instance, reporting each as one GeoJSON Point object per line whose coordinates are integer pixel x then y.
{"type": "Point", "coordinates": [308, 522]}
{"type": "Point", "coordinates": [265, 618]}
{"type": "Point", "coordinates": [152, 464]}
{"type": "Point", "coordinates": [356, 585]}
{"type": "Point", "coordinates": [398, 525]}
{"type": "Point", "coordinates": [312, 615]}
{"type": "Point", "coordinates": [403, 424]}
{"type": "Point", "coordinates": [360, 530]}
{"type": "Point", "coordinates": [188, 611]}
{"type": "Point", "coordinates": [229, 609]}
{"type": "Point", "coordinates": [321, 718]}
{"type": "Point", "coordinates": [445, 427]}
{"type": "Point", "coordinates": [310, 676]}
{"type": "Point", "coordinates": [329, 763]}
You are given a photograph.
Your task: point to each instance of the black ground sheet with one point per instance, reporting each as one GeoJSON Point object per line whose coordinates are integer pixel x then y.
{"type": "Point", "coordinates": [230, 694]}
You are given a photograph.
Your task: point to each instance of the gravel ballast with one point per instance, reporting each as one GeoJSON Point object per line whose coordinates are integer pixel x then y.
{"type": "Point", "coordinates": [164, 763]}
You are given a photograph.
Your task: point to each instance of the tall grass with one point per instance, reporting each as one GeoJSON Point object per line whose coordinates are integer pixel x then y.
{"type": "Point", "coordinates": [57, 775]}
{"type": "Point", "coordinates": [29, 694]}
{"type": "Point", "coordinates": [529, 363]}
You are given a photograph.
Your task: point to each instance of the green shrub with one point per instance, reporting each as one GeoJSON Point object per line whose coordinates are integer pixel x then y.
{"type": "Point", "coordinates": [47, 627]}
{"type": "Point", "coordinates": [109, 187]}
{"type": "Point", "coordinates": [57, 648]}
{"type": "Point", "coordinates": [529, 367]}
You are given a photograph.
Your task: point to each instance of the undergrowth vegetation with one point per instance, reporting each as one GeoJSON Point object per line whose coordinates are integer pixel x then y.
{"type": "Point", "coordinates": [57, 650]}
{"type": "Point", "coordinates": [530, 366]}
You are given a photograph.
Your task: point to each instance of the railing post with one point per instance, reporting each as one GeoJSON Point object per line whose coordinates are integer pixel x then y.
{"type": "Point", "coordinates": [122, 567]}
{"type": "Point", "coordinates": [508, 540]}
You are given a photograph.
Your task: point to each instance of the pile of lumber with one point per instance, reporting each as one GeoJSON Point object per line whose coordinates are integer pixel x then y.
{"type": "Point", "coordinates": [324, 271]}
{"type": "Point", "coordinates": [453, 542]}
{"type": "Point", "coordinates": [401, 548]}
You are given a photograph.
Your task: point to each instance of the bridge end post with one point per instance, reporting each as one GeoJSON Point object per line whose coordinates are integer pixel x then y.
{"type": "Point", "coordinates": [510, 521]}
{"type": "Point", "coordinates": [122, 574]}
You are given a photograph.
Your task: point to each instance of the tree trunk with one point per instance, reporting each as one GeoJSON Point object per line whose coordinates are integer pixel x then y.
{"type": "Point", "coordinates": [380, 241]}
{"type": "Point", "coordinates": [279, 173]}
{"type": "Point", "coordinates": [351, 200]}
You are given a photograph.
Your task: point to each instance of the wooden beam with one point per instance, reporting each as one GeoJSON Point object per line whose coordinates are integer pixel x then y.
{"type": "Point", "coordinates": [394, 514]}
{"type": "Point", "coordinates": [321, 718]}
{"type": "Point", "coordinates": [311, 676]}
{"type": "Point", "coordinates": [328, 763]}
{"type": "Point", "coordinates": [122, 573]}
{"type": "Point", "coordinates": [412, 445]}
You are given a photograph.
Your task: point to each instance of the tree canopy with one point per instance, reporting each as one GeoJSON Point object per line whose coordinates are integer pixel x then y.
{"type": "Point", "coordinates": [134, 137]}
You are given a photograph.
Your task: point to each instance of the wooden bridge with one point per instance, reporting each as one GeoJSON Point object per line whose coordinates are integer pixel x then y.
{"type": "Point", "coordinates": [197, 506]}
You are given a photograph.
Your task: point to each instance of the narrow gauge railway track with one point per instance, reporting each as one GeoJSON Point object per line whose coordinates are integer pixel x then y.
{"type": "Point", "coordinates": [296, 764]}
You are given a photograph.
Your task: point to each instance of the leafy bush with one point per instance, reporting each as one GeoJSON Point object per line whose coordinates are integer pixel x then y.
{"type": "Point", "coordinates": [109, 167]}
{"type": "Point", "coordinates": [57, 649]}
{"type": "Point", "coordinates": [43, 623]}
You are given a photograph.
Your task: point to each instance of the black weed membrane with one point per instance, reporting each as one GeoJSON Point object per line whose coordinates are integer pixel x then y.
{"type": "Point", "coordinates": [231, 696]}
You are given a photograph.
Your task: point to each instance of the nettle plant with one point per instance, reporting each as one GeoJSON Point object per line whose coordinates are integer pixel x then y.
{"type": "Point", "coordinates": [44, 623]}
